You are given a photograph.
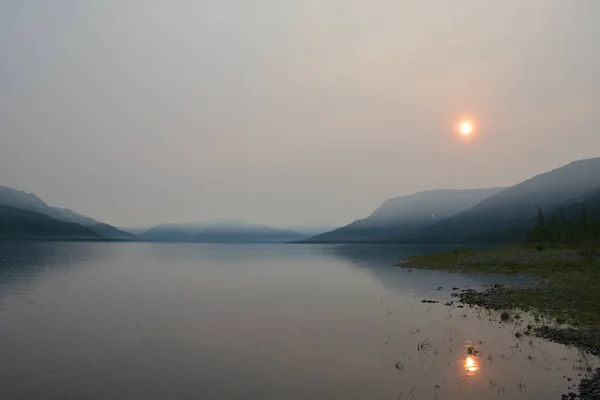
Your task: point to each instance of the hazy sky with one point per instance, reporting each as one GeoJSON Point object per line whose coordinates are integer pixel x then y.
{"type": "Point", "coordinates": [303, 112]}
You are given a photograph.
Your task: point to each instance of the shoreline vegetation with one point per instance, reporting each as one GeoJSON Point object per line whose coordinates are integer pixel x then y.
{"type": "Point", "coordinates": [565, 301]}
{"type": "Point", "coordinates": [566, 291]}
{"type": "Point", "coordinates": [563, 253]}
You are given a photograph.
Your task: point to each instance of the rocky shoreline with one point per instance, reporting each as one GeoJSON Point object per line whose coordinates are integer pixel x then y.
{"type": "Point", "coordinates": [565, 301]}
{"type": "Point", "coordinates": [589, 389]}
{"type": "Point", "coordinates": [500, 298]}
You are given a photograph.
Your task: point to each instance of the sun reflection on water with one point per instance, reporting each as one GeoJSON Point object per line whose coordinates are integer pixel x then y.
{"type": "Point", "coordinates": [471, 366]}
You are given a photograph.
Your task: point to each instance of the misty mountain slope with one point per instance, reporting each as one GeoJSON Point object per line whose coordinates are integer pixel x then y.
{"type": "Point", "coordinates": [20, 199]}
{"type": "Point", "coordinates": [98, 227]}
{"type": "Point", "coordinates": [504, 217]}
{"type": "Point", "coordinates": [28, 201]}
{"type": "Point", "coordinates": [17, 223]}
{"type": "Point", "coordinates": [405, 214]}
{"type": "Point", "coordinates": [590, 202]}
{"type": "Point", "coordinates": [220, 232]}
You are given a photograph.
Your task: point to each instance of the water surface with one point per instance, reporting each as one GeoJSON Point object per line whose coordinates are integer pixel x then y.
{"type": "Point", "coordinates": [190, 321]}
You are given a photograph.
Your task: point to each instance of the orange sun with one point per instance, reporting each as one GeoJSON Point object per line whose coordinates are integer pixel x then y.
{"type": "Point", "coordinates": [466, 128]}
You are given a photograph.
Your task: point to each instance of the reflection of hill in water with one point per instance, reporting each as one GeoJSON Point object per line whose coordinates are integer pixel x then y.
{"type": "Point", "coordinates": [381, 255]}
{"type": "Point", "coordinates": [21, 263]}
{"type": "Point", "coordinates": [379, 261]}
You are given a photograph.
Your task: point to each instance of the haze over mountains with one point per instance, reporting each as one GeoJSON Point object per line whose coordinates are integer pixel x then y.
{"type": "Point", "coordinates": [25, 216]}
{"type": "Point", "coordinates": [42, 219]}
{"type": "Point", "coordinates": [406, 214]}
{"type": "Point", "coordinates": [499, 216]}
{"type": "Point", "coordinates": [472, 216]}
{"type": "Point", "coordinates": [506, 216]}
{"type": "Point", "coordinates": [220, 232]}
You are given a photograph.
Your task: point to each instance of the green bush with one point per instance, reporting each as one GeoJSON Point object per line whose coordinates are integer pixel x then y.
{"type": "Point", "coordinates": [540, 247]}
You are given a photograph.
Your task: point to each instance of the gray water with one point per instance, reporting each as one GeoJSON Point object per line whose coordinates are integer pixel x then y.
{"type": "Point", "coordinates": [190, 321]}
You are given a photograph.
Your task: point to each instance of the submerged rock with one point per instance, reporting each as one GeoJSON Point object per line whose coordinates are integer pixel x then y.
{"type": "Point", "coordinates": [589, 389]}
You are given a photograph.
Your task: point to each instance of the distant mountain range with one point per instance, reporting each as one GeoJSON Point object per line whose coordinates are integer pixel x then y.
{"type": "Point", "coordinates": [405, 214]}
{"type": "Point", "coordinates": [443, 216]}
{"type": "Point", "coordinates": [25, 216]}
{"type": "Point", "coordinates": [497, 216]}
{"type": "Point", "coordinates": [51, 221]}
{"type": "Point", "coordinates": [220, 232]}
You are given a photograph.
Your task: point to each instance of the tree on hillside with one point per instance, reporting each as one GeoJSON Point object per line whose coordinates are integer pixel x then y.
{"type": "Point", "coordinates": [561, 231]}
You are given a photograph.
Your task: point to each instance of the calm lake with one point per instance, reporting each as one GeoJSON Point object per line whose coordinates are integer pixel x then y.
{"type": "Point", "coordinates": [190, 321]}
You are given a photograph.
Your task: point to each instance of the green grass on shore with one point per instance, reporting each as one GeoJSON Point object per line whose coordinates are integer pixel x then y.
{"type": "Point", "coordinates": [569, 290]}
{"type": "Point", "coordinates": [509, 259]}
